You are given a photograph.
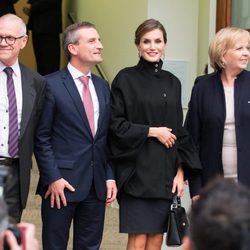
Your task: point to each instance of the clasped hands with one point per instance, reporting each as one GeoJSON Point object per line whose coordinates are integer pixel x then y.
{"type": "Point", "coordinates": [164, 135]}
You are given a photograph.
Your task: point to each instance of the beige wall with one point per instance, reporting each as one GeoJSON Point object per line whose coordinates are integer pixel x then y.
{"type": "Point", "coordinates": [116, 22]}
{"type": "Point", "coordinates": [207, 23]}
{"type": "Point", "coordinates": [203, 36]}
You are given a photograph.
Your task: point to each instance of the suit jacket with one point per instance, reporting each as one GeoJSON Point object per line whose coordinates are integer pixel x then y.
{"type": "Point", "coordinates": [205, 121]}
{"type": "Point", "coordinates": [33, 87]}
{"type": "Point", "coordinates": [64, 146]}
{"type": "Point", "coordinates": [45, 16]}
{"type": "Point", "coordinates": [7, 6]}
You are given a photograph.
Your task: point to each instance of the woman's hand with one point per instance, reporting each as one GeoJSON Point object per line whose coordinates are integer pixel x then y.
{"type": "Point", "coordinates": [164, 135]}
{"type": "Point", "coordinates": [178, 183]}
{"type": "Point", "coordinates": [195, 198]}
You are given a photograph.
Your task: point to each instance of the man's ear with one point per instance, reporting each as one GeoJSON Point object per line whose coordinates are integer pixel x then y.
{"type": "Point", "coordinates": [187, 244]}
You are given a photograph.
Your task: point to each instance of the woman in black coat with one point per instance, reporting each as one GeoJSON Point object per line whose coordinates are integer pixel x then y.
{"type": "Point", "coordinates": [150, 148]}
{"type": "Point", "coordinates": [219, 111]}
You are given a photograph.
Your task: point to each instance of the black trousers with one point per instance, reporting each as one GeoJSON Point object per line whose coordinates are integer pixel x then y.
{"type": "Point", "coordinates": [11, 193]}
{"type": "Point", "coordinates": [47, 52]}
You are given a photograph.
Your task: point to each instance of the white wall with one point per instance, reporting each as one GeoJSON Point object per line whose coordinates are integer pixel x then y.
{"type": "Point", "coordinates": [116, 22]}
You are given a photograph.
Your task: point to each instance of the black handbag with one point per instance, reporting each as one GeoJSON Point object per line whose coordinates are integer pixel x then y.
{"type": "Point", "coordinates": [177, 223]}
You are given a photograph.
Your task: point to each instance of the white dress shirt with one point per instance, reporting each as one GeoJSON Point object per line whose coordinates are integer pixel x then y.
{"type": "Point", "coordinates": [4, 105]}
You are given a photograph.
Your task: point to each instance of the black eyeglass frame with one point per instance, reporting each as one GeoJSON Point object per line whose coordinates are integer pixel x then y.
{"type": "Point", "coordinates": [10, 42]}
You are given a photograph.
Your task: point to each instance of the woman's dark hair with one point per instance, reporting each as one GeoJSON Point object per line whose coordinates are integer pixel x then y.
{"type": "Point", "coordinates": [147, 26]}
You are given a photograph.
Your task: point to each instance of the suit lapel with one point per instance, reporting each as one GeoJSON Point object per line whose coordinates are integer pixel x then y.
{"type": "Point", "coordinates": [99, 93]}
{"type": "Point", "coordinates": [69, 84]}
{"type": "Point", "coordinates": [29, 96]}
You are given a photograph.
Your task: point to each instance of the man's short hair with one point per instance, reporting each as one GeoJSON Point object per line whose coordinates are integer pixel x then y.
{"type": "Point", "coordinates": [220, 219]}
{"type": "Point", "coordinates": [71, 36]}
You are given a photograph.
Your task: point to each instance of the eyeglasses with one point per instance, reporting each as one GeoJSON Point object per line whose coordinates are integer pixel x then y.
{"type": "Point", "coordinates": [10, 40]}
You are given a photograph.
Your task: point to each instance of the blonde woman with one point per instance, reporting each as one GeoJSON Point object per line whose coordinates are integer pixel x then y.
{"type": "Point", "coordinates": [219, 111]}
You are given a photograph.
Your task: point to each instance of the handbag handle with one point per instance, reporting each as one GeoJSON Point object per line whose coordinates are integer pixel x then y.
{"type": "Point", "coordinates": [176, 202]}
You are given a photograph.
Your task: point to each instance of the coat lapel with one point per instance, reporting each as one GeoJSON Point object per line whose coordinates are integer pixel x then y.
{"type": "Point", "coordinates": [29, 96]}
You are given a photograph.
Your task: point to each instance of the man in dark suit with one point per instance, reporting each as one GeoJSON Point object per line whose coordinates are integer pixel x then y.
{"type": "Point", "coordinates": [7, 6]}
{"type": "Point", "coordinates": [45, 22]}
{"type": "Point", "coordinates": [21, 98]}
{"type": "Point", "coordinates": [76, 179]}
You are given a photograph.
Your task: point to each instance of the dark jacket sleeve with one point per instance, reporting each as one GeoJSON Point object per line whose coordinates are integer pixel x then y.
{"type": "Point", "coordinates": [187, 152]}
{"type": "Point", "coordinates": [192, 124]}
{"type": "Point", "coordinates": [125, 137]}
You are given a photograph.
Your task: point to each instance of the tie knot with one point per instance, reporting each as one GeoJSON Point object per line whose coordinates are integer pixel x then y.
{"type": "Point", "coordinates": [8, 71]}
{"type": "Point", "coordinates": [84, 80]}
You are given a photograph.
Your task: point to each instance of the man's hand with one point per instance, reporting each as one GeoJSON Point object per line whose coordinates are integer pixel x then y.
{"type": "Point", "coordinates": [29, 242]}
{"type": "Point", "coordinates": [56, 192]}
{"type": "Point", "coordinates": [111, 191]}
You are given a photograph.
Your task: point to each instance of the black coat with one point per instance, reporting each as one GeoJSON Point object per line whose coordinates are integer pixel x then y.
{"type": "Point", "coordinates": [145, 96]}
{"type": "Point", "coordinates": [7, 6]}
{"type": "Point", "coordinates": [205, 122]}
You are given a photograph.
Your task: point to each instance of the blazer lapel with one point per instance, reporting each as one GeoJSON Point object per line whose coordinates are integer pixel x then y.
{"type": "Point", "coordinates": [69, 84]}
{"type": "Point", "coordinates": [29, 96]}
{"type": "Point", "coordinates": [99, 93]}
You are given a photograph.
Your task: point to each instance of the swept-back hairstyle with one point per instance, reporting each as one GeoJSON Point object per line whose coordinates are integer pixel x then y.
{"type": "Point", "coordinates": [71, 36]}
{"type": "Point", "coordinates": [147, 26]}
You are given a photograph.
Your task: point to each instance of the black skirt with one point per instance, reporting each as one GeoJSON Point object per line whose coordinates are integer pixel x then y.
{"type": "Point", "coordinates": [142, 216]}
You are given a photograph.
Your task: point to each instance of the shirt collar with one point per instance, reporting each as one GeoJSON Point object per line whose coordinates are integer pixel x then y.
{"type": "Point", "coordinates": [15, 67]}
{"type": "Point", "coordinates": [75, 72]}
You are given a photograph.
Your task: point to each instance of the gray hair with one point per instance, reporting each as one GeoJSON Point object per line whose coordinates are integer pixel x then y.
{"type": "Point", "coordinates": [71, 36]}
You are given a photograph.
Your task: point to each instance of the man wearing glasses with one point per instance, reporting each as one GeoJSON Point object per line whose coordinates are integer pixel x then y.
{"type": "Point", "coordinates": [21, 97]}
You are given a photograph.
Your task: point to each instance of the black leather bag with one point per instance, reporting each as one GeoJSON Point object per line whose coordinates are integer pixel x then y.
{"type": "Point", "coordinates": [177, 223]}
